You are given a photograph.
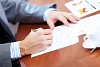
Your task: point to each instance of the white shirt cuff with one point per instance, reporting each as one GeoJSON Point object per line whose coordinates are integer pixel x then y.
{"type": "Point", "coordinates": [15, 50]}
{"type": "Point", "coordinates": [46, 13]}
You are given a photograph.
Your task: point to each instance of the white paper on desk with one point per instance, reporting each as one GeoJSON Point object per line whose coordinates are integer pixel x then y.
{"type": "Point", "coordinates": [83, 7]}
{"type": "Point", "coordinates": [63, 36]}
{"type": "Point", "coordinates": [90, 25]}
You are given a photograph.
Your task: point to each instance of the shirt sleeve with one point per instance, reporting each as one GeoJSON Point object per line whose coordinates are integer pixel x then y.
{"type": "Point", "coordinates": [15, 50]}
{"type": "Point", "coordinates": [46, 13]}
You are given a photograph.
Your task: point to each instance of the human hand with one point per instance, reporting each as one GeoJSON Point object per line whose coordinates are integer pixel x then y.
{"type": "Point", "coordinates": [36, 41]}
{"type": "Point", "coordinates": [54, 16]}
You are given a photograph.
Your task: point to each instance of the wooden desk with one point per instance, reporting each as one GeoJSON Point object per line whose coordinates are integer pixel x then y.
{"type": "Point", "coordinates": [72, 56]}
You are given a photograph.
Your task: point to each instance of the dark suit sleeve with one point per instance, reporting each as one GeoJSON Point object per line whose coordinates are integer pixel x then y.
{"type": "Point", "coordinates": [5, 59]}
{"type": "Point", "coordinates": [22, 10]}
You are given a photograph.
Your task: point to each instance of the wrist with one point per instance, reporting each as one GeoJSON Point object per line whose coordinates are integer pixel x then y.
{"type": "Point", "coordinates": [23, 50]}
{"type": "Point", "coordinates": [47, 12]}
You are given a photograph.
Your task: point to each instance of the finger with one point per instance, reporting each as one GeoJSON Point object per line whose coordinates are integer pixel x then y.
{"type": "Point", "coordinates": [48, 37]}
{"type": "Point", "coordinates": [63, 19]}
{"type": "Point", "coordinates": [47, 31]}
{"type": "Point", "coordinates": [70, 17]}
{"type": "Point", "coordinates": [77, 18]}
{"type": "Point", "coordinates": [48, 42]}
{"type": "Point", "coordinates": [51, 22]}
{"type": "Point", "coordinates": [40, 29]}
{"type": "Point", "coordinates": [37, 30]}
{"type": "Point", "coordinates": [44, 31]}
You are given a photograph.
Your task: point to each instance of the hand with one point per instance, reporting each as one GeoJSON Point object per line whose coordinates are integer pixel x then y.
{"type": "Point", "coordinates": [54, 16]}
{"type": "Point", "coordinates": [36, 41]}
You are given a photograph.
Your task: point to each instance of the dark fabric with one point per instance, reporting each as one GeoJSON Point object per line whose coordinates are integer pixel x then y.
{"type": "Point", "coordinates": [16, 63]}
{"type": "Point", "coordinates": [12, 11]}
{"type": "Point", "coordinates": [5, 60]}
{"type": "Point", "coordinates": [5, 38]}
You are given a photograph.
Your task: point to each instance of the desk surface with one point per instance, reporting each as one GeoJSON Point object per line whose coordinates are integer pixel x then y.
{"type": "Point", "coordinates": [72, 56]}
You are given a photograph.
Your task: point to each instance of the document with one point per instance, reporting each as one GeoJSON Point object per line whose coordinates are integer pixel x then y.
{"type": "Point", "coordinates": [83, 7]}
{"type": "Point", "coordinates": [64, 36]}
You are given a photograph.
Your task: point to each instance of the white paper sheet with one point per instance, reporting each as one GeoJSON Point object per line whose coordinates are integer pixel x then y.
{"type": "Point", "coordinates": [64, 36]}
{"type": "Point", "coordinates": [90, 25]}
{"type": "Point", "coordinates": [83, 7]}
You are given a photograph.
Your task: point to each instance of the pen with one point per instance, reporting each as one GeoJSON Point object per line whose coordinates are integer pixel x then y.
{"type": "Point", "coordinates": [34, 30]}
{"type": "Point", "coordinates": [94, 49]}
{"type": "Point", "coordinates": [90, 4]}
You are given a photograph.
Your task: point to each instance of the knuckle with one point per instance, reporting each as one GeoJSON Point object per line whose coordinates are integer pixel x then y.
{"type": "Point", "coordinates": [39, 33]}
{"type": "Point", "coordinates": [42, 38]}
{"type": "Point", "coordinates": [44, 43]}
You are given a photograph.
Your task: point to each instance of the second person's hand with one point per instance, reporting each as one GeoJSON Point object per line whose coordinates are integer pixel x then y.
{"type": "Point", "coordinates": [54, 16]}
